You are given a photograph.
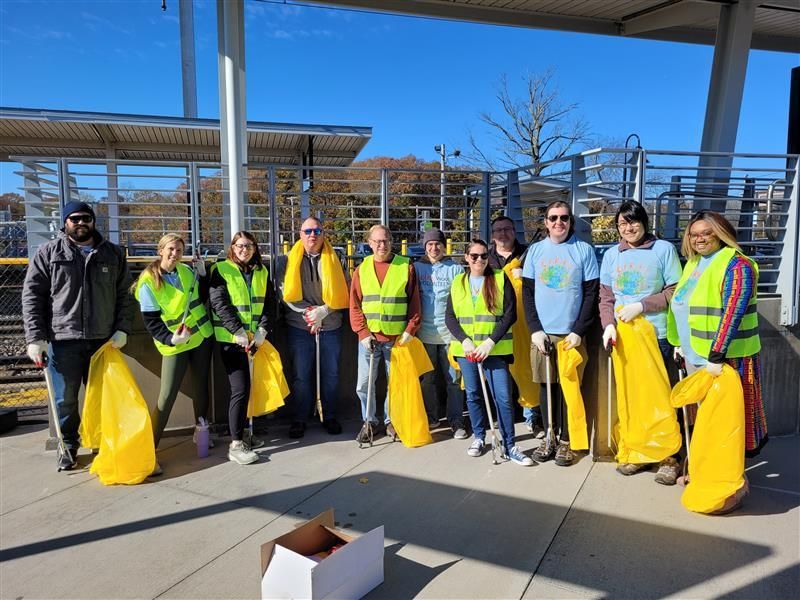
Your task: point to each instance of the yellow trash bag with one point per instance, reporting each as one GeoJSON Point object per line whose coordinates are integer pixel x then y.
{"type": "Point", "coordinates": [454, 363]}
{"type": "Point", "coordinates": [716, 451]}
{"type": "Point", "coordinates": [568, 362]}
{"type": "Point", "coordinates": [268, 387]}
{"type": "Point", "coordinates": [116, 420]}
{"type": "Point", "coordinates": [521, 367]}
{"type": "Point", "coordinates": [406, 407]}
{"type": "Point", "coordinates": [647, 431]}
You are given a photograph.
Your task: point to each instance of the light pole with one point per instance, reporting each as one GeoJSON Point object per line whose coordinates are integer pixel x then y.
{"type": "Point", "coordinates": [443, 156]}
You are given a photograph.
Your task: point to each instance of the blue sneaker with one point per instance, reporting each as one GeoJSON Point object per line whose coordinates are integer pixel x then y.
{"type": "Point", "coordinates": [516, 456]}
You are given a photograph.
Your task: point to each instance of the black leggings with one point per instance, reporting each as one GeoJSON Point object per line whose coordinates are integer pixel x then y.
{"type": "Point", "coordinates": [237, 367]}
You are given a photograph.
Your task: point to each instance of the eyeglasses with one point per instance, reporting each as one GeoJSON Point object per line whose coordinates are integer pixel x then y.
{"type": "Point", "coordinates": [380, 242]}
{"type": "Point", "coordinates": [244, 246]}
{"type": "Point", "coordinates": [315, 231]}
{"type": "Point", "coordinates": [562, 218]}
{"type": "Point", "coordinates": [476, 256]}
{"type": "Point", "coordinates": [75, 219]}
{"type": "Point", "coordinates": [702, 235]}
{"type": "Point", "coordinates": [628, 225]}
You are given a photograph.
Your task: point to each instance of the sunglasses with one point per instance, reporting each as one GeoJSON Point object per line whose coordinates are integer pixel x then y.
{"type": "Point", "coordinates": [315, 231]}
{"type": "Point", "coordinates": [476, 256]}
{"type": "Point", "coordinates": [562, 218]}
{"type": "Point", "coordinates": [75, 219]}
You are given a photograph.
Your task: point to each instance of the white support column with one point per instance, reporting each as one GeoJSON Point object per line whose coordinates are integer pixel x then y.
{"type": "Point", "coordinates": [232, 111]}
{"type": "Point", "coordinates": [113, 197]}
{"type": "Point", "coordinates": [726, 87]}
{"type": "Point", "coordinates": [188, 69]}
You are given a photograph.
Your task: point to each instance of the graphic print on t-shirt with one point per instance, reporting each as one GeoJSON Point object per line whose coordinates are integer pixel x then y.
{"type": "Point", "coordinates": [631, 279]}
{"type": "Point", "coordinates": [554, 273]}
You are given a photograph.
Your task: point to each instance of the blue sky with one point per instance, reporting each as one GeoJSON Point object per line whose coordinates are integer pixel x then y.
{"type": "Point", "coordinates": [417, 82]}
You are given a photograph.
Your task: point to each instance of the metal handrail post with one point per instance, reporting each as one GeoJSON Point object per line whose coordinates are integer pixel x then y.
{"type": "Point", "coordinates": [385, 197]}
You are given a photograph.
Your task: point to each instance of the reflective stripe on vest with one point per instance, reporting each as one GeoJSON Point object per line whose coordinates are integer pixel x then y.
{"type": "Point", "coordinates": [172, 303]}
{"type": "Point", "coordinates": [475, 319]}
{"type": "Point", "coordinates": [249, 304]}
{"type": "Point", "coordinates": [385, 306]}
{"type": "Point", "coordinates": [706, 310]}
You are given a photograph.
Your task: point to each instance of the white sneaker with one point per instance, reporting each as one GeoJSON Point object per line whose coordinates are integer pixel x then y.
{"type": "Point", "coordinates": [476, 448]}
{"type": "Point", "coordinates": [239, 453]}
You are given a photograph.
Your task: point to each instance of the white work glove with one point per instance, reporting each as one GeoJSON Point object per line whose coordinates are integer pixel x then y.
{"type": "Point", "coordinates": [199, 266]}
{"type": "Point", "coordinates": [314, 316]}
{"type": "Point", "coordinates": [630, 311]}
{"type": "Point", "coordinates": [609, 333]}
{"type": "Point", "coordinates": [404, 338]}
{"type": "Point", "coordinates": [714, 368]}
{"type": "Point", "coordinates": [483, 350]}
{"type": "Point", "coordinates": [677, 354]}
{"type": "Point", "coordinates": [119, 339]}
{"type": "Point", "coordinates": [36, 350]}
{"type": "Point", "coordinates": [538, 339]}
{"type": "Point", "coordinates": [181, 336]}
{"type": "Point", "coordinates": [469, 346]}
{"type": "Point", "coordinates": [368, 343]}
{"type": "Point", "coordinates": [260, 337]}
{"type": "Point", "coordinates": [573, 341]}
{"type": "Point", "coordinates": [516, 273]}
{"type": "Point", "coordinates": [240, 338]}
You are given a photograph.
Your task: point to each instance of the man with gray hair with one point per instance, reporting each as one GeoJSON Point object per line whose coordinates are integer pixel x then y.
{"type": "Point", "coordinates": [384, 310]}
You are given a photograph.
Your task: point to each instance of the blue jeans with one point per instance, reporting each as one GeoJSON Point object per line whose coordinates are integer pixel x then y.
{"type": "Point", "coordinates": [366, 380]}
{"type": "Point", "coordinates": [302, 349]}
{"type": "Point", "coordinates": [498, 382]}
{"type": "Point", "coordinates": [533, 416]}
{"type": "Point", "coordinates": [442, 371]}
{"type": "Point", "coordinates": [69, 367]}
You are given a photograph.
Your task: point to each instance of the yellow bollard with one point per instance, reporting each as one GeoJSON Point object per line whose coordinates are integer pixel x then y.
{"type": "Point", "coordinates": [285, 247]}
{"type": "Point", "coordinates": [350, 262]}
{"type": "Point", "coordinates": [404, 248]}
{"type": "Point", "coordinates": [448, 249]}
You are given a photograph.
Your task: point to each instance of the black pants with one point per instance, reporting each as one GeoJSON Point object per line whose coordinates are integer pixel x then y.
{"type": "Point", "coordinates": [560, 422]}
{"type": "Point", "coordinates": [237, 367]}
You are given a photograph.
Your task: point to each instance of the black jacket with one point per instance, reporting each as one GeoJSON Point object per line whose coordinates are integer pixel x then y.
{"type": "Point", "coordinates": [69, 297]}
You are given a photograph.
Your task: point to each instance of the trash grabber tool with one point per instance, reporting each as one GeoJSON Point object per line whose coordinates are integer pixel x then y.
{"type": "Point", "coordinates": [680, 362]}
{"type": "Point", "coordinates": [366, 432]}
{"type": "Point", "coordinates": [252, 440]}
{"type": "Point", "coordinates": [496, 441]}
{"type": "Point", "coordinates": [51, 399]}
{"type": "Point", "coordinates": [319, 396]}
{"type": "Point", "coordinates": [551, 434]}
{"type": "Point", "coordinates": [609, 348]}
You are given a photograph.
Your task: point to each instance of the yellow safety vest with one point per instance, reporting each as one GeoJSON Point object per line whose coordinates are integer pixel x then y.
{"type": "Point", "coordinates": [385, 306]}
{"type": "Point", "coordinates": [475, 319]}
{"type": "Point", "coordinates": [172, 302]}
{"type": "Point", "coordinates": [705, 309]}
{"type": "Point", "coordinates": [249, 304]}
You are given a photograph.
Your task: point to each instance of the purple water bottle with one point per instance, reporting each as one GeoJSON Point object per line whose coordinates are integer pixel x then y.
{"type": "Point", "coordinates": [201, 437]}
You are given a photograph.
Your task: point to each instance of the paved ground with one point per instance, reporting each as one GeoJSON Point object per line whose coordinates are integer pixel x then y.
{"type": "Point", "coordinates": [456, 527]}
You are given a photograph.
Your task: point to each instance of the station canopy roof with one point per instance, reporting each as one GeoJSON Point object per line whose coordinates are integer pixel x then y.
{"type": "Point", "coordinates": [776, 24]}
{"type": "Point", "coordinates": [73, 134]}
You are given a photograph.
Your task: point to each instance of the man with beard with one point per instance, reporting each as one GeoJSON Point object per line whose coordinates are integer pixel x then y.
{"type": "Point", "coordinates": [75, 297]}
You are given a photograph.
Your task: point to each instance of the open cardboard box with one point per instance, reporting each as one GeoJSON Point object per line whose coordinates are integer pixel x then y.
{"type": "Point", "coordinates": [352, 571]}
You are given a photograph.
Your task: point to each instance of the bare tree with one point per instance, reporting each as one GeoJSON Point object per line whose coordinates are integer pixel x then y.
{"type": "Point", "coordinates": [531, 129]}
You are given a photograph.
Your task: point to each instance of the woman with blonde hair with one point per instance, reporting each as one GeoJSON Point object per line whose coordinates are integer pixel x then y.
{"type": "Point", "coordinates": [238, 290]}
{"type": "Point", "coordinates": [174, 313]}
{"type": "Point", "coordinates": [713, 318]}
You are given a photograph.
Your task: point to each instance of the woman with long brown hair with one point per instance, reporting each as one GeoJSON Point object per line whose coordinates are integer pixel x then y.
{"type": "Point", "coordinates": [174, 313]}
{"type": "Point", "coordinates": [480, 311]}
{"type": "Point", "coordinates": [238, 292]}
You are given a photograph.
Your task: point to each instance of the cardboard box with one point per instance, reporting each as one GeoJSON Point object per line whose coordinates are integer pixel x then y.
{"type": "Point", "coordinates": [352, 571]}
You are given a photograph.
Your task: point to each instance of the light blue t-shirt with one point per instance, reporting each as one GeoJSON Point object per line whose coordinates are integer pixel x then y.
{"type": "Point", "coordinates": [559, 271]}
{"type": "Point", "coordinates": [680, 310]}
{"type": "Point", "coordinates": [147, 300]}
{"type": "Point", "coordinates": [475, 285]}
{"type": "Point", "coordinates": [640, 272]}
{"type": "Point", "coordinates": [435, 281]}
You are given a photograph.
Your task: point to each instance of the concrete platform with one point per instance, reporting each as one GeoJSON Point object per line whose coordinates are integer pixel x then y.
{"type": "Point", "coordinates": [456, 527]}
